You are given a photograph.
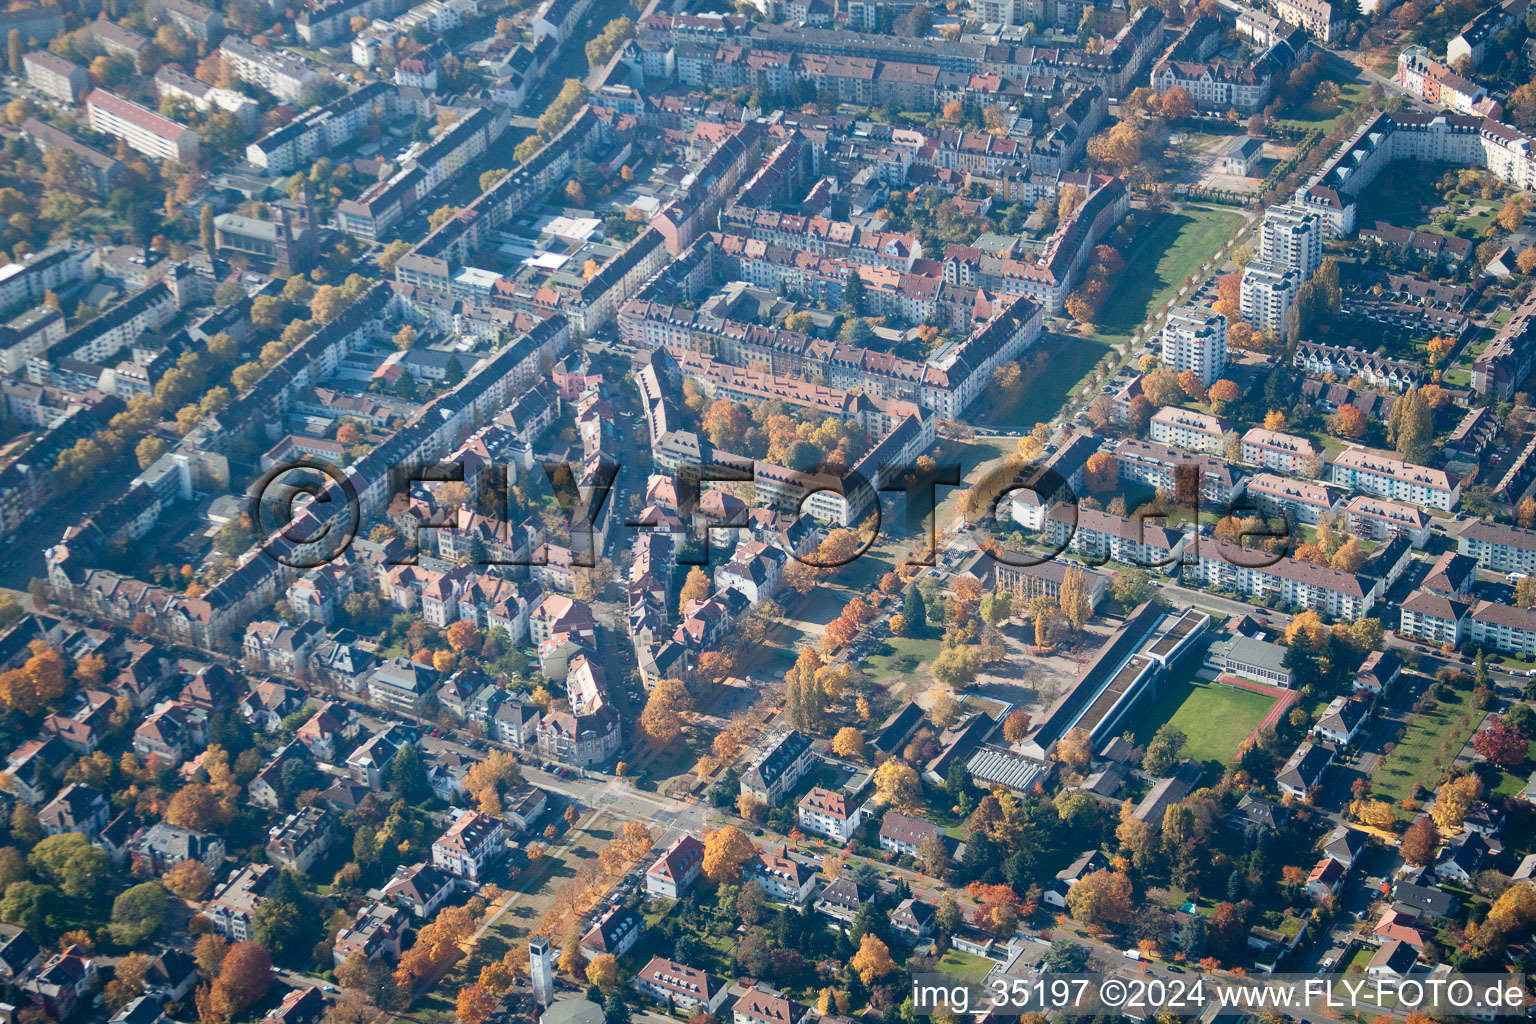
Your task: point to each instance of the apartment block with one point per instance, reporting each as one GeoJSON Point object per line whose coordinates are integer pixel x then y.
{"type": "Point", "coordinates": [1195, 338]}
{"type": "Point", "coordinates": [54, 76]}
{"type": "Point", "coordinates": [142, 128]}
{"type": "Point", "coordinates": [1269, 288]}
{"type": "Point", "coordinates": [1387, 476]}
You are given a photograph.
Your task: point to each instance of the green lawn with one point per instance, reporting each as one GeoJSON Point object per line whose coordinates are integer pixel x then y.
{"type": "Point", "coordinates": [899, 656]}
{"type": "Point", "coordinates": [1165, 253]}
{"type": "Point", "coordinates": [1047, 385]}
{"type": "Point", "coordinates": [1311, 114]}
{"type": "Point", "coordinates": [1357, 961]}
{"type": "Point", "coordinates": [967, 965]}
{"type": "Point", "coordinates": [1435, 736]}
{"type": "Point", "coordinates": [1405, 194]}
{"type": "Point", "coordinates": [1216, 718]}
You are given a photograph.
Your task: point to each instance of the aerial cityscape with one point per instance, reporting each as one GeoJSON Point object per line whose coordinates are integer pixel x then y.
{"type": "Point", "coordinates": [767, 512]}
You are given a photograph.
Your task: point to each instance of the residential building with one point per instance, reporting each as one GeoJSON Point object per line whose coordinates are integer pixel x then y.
{"type": "Point", "coordinates": [1185, 428]}
{"type": "Point", "coordinates": [375, 934]}
{"type": "Point", "coordinates": [1280, 452]}
{"type": "Point", "coordinates": [681, 988]}
{"type": "Point", "coordinates": [1195, 338]}
{"type": "Point", "coordinates": [904, 834]}
{"type": "Point", "coordinates": [472, 844]}
{"type": "Point", "coordinates": [786, 758]}
{"type": "Point", "coordinates": [1319, 17]}
{"type": "Point", "coordinates": [758, 1007]}
{"type": "Point", "coordinates": [143, 129]}
{"type": "Point", "coordinates": [232, 909]}
{"type": "Point", "coordinates": [1387, 476]}
{"type": "Point", "coordinates": [1268, 289]}
{"type": "Point", "coordinates": [55, 76]}
{"type": "Point", "coordinates": [1292, 235]}
{"type": "Point", "coordinates": [675, 871]}
{"type": "Point", "coordinates": [301, 838]}
{"type": "Point", "coordinates": [830, 814]}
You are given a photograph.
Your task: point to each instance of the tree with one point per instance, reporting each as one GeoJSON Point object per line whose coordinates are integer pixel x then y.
{"type": "Point", "coordinates": [195, 807]}
{"type": "Point", "coordinates": [327, 304]}
{"type": "Point", "coordinates": [475, 1005]}
{"type": "Point", "coordinates": [1162, 754]}
{"type": "Point", "coordinates": [1016, 725]}
{"type": "Point", "coordinates": [1177, 104]}
{"type": "Point", "coordinates": [1348, 422]}
{"type": "Point", "coordinates": [69, 861]}
{"type": "Point", "coordinates": [1075, 749]}
{"type": "Point", "coordinates": [695, 588]}
{"type": "Point", "coordinates": [957, 666]}
{"type": "Point", "coordinates": [1131, 587]}
{"type": "Point", "coordinates": [1101, 896]}
{"type": "Point", "coordinates": [945, 708]}
{"type": "Point", "coordinates": [933, 857]}
{"type": "Point", "coordinates": [848, 742]}
{"type": "Point", "coordinates": [407, 776]}
{"type": "Point", "coordinates": [873, 960]}
{"type": "Point", "coordinates": [127, 980]}
{"type": "Point", "coordinates": [1076, 605]}
{"type": "Point", "coordinates": [209, 953]}
{"type": "Point", "coordinates": [1501, 743]}
{"type": "Point", "coordinates": [897, 784]}
{"type": "Point", "coordinates": [13, 50]}
{"type": "Point", "coordinates": [603, 972]}
{"type": "Point", "coordinates": [725, 851]}
{"type": "Point", "coordinates": [1420, 842]}
{"type": "Point", "coordinates": [1065, 957]}
{"type": "Point", "coordinates": [205, 229]}
{"type": "Point", "coordinates": [1454, 800]}
{"type": "Point", "coordinates": [188, 880]}
{"type": "Point", "coordinates": [662, 719]}
{"type": "Point", "coordinates": [244, 976]}
{"type": "Point", "coordinates": [138, 913]}
{"type": "Point", "coordinates": [1222, 393]}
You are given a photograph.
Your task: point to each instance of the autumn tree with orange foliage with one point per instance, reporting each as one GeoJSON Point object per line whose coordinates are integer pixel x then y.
{"type": "Point", "coordinates": [1348, 422]}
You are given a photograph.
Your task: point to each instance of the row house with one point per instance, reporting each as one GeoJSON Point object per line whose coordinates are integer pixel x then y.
{"type": "Point", "coordinates": [1346, 363]}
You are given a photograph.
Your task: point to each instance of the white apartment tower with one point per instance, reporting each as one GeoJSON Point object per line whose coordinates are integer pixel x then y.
{"type": "Point", "coordinates": [541, 970]}
{"type": "Point", "coordinates": [1269, 288]}
{"type": "Point", "coordinates": [1293, 235]}
{"type": "Point", "coordinates": [1195, 338]}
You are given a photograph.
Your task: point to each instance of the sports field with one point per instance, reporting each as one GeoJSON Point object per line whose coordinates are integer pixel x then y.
{"type": "Point", "coordinates": [1216, 718]}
